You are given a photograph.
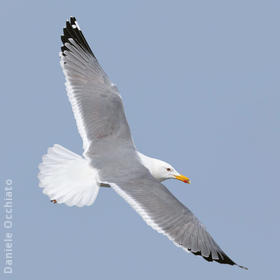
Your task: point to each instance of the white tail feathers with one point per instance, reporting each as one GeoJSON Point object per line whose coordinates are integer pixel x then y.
{"type": "Point", "coordinates": [68, 178]}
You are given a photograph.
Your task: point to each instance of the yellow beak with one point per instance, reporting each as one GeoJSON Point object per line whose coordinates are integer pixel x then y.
{"type": "Point", "coordinates": [183, 178]}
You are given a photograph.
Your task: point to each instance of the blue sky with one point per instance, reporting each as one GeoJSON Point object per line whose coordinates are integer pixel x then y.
{"type": "Point", "coordinates": [200, 85]}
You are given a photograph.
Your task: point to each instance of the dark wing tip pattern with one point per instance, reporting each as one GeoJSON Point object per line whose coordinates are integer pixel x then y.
{"type": "Point", "coordinates": [223, 259]}
{"type": "Point", "coordinates": [73, 31]}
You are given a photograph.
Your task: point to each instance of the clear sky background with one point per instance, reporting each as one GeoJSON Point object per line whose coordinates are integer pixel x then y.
{"type": "Point", "coordinates": [200, 85]}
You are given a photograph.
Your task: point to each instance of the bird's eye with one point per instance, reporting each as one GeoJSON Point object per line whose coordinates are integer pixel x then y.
{"type": "Point", "coordinates": [168, 169]}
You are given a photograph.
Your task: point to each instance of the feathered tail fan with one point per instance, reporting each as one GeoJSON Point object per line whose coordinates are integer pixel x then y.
{"type": "Point", "coordinates": [68, 178]}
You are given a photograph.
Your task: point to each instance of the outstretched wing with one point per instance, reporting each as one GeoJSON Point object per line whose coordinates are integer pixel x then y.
{"type": "Point", "coordinates": [164, 213]}
{"type": "Point", "coordinates": [95, 101]}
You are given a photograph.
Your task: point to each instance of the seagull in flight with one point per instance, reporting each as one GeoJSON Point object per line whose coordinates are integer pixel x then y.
{"type": "Point", "coordinates": [110, 158]}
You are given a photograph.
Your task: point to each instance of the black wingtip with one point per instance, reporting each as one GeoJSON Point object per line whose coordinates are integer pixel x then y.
{"type": "Point", "coordinates": [223, 259]}
{"type": "Point", "coordinates": [73, 31]}
{"type": "Point", "coordinates": [73, 20]}
{"type": "Point", "coordinates": [243, 267]}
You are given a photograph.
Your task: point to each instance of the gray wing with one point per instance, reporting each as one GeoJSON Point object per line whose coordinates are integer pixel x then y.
{"type": "Point", "coordinates": [95, 101]}
{"type": "Point", "coordinates": [164, 213]}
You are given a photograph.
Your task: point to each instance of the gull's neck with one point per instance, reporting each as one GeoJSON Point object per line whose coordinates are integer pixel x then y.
{"type": "Point", "coordinates": [152, 164]}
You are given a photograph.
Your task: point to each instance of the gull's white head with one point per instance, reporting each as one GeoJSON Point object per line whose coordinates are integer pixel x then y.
{"type": "Point", "coordinates": [162, 170]}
